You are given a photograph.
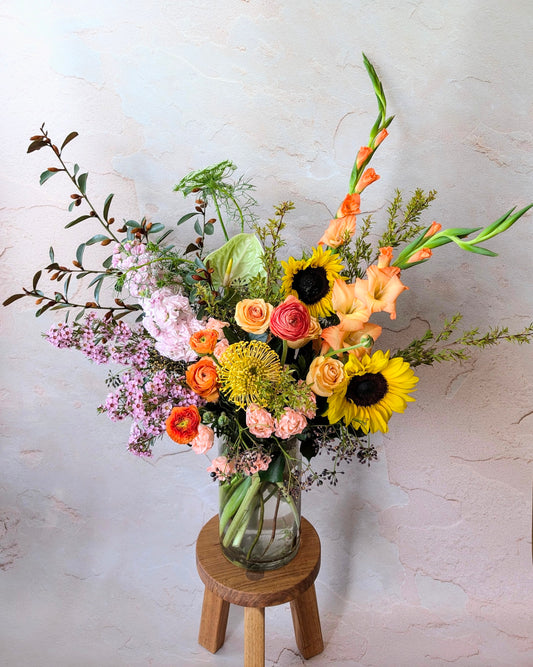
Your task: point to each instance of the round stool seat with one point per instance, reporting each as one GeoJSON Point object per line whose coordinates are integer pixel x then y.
{"type": "Point", "coordinates": [249, 588]}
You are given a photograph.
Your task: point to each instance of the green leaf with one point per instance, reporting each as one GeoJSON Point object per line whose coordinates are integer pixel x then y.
{"type": "Point", "coordinates": [96, 239]}
{"type": "Point", "coordinates": [68, 139]}
{"type": "Point", "coordinates": [132, 223]}
{"type": "Point", "coordinates": [82, 182]}
{"type": "Point", "coordinates": [275, 470]}
{"type": "Point", "coordinates": [198, 228]}
{"type": "Point", "coordinates": [46, 175]}
{"type": "Point", "coordinates": [107, 204]}
{"type": "Point", "coordinates": [67, 284]}
{"type": "Point", "coordinates": [36, 279]}
{"type": "Point", "coordinates": [209, 228]}
{"type": "Point", "coordinates": [186, 217]}
{"type": "Point", "coordinates": [156, 227]}
{"type": "Point", "coordinates": [97, 289]}
{"type": "Point", "coordinates": [107, 262]}
{"type": "Point", "coordinates": [163, 236]}
{"type": "Point", "coordinates": [71, 205]}
{"type": "Point", "coordinates": [75, 222]}
{"type": "Point", "coordinates": [76, 169]}
{"type": "Point", "coordinates": [246, 255]}
{"type": "Point", "coordinates": [79, 253]}
{"type": "Point", "coordinates": [44, 308]}
{"type": "Point", "coordinates": [51, 253]}
{"type": "Point", "coordinates": [79, 315]}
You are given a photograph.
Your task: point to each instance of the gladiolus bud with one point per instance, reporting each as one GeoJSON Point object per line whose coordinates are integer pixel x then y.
{"type": "Point", "coordinates": [380, 136]}
{"type": "Point", "coordinates": [435, 227]}
{"type": "Point", "coordinates": [420, 255]}
{"type": "Point", "coordinates": [368, 177]}
{"type": "Point", "coordinates": [362, 156]}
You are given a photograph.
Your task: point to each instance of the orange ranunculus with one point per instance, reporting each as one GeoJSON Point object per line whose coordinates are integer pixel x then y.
{"type": "Point", "coordinates": [420, 255]}
{"type": "Point", "coordinates": [383, 134]}
{"type": "Point", "coordinates": [350, 206]}
{"type": "Point", "coordinates": [182, 424]}
{"type": "Point", "coordinates": [385, 257]}
{"type": "Point", "coordinates": [435, 227]}
{"type": "Point", "coordinates": [202, 378]}
{"type": "Point", "coordinates": [253, 315]}
{"type": "Point", "coordinates": [352, 311]}
{"type": "Point", "coordinates": [381, 289]}
{"type": "Point", "coordinates": [362, 156]}
{"type": "Point", "coordinates": [339, 231]}
{"type": "Point", "coordinates": [337, 338]}
{"type": "Point", "coordinates": [204, 341]}
{"type": "Point", "coordinates": [368, 177]}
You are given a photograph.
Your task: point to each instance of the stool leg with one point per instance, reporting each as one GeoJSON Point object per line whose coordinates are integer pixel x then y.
{"type": "Point", "coordinates": [306, 623]}
{"type": "Point", "coordinates": [254, 637]}
{"type": "Point", "coordinates": [213, 623]}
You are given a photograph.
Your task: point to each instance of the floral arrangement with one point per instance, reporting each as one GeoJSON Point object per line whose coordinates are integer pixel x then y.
{"type": "Point", "coordinates": [239, 343]}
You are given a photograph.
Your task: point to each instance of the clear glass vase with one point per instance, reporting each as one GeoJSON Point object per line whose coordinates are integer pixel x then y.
{"type": "Point", "coordinates": [259, 515]}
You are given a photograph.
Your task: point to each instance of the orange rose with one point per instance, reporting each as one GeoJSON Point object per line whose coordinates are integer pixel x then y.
{"type": "Point", "coordinates": [253, 315]}
{"type": "Point", "coordinates": [202, 378]}
{"type": "Point", "coordinates": [182, 424]}
{"type": "Point", "coordinates": [204, 341]}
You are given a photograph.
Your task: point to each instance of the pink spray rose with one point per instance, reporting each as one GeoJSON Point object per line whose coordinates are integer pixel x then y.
{"type": "Point", "coordinates": [204, 440]}
{"type": "Point", "coordinates": [290, 423]}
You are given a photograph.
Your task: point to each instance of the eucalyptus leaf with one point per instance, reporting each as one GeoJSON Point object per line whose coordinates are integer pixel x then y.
{"type": "Point", "coordinates": [246, 255]}
{"type": "Point", "coordinates": [82, 182]}
{"type": "Point", "coordinates": [46, 175]}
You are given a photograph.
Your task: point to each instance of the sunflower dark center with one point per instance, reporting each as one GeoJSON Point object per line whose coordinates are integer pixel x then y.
{"type": "Point", "coordinates": [367, 389]}
{"type": "Point", "coordinates": [311, 284]}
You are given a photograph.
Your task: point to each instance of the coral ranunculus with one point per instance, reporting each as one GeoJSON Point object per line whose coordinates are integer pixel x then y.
{"type": "Point", "coordinates": [204, 341]}
{"type": "Point", "coordinates": [253, 315]}
{"type": "Point", "coordinates": [182, 424]}
{"type": "Point", "coordinates": [202, 378]}
{"type": "Point", "coordinates": [290, 320]}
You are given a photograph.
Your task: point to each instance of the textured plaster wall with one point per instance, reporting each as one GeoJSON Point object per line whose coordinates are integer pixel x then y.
{"type": "Point", "coordinates": [427, 554]}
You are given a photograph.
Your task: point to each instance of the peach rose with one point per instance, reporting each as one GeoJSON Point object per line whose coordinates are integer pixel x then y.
{"type": "Point", "coordinates": [204, 440]}
{"type": "Point", "coordinates": [202, 378]}
{"type": "Point", "coordinates": [290, 423]}
{"type": "Point", "coordinates": [339, 231]}
{"type": "Point", "coordinates": [290, 320]}
{"type": "Point", "coordinates": [325, 374]}
{"type": "Point", "coordinates": [259, 421]}
{"type": "Point", "coordinates": [204, 341]}
{"type": "Point", "coordinates": [253, 315]}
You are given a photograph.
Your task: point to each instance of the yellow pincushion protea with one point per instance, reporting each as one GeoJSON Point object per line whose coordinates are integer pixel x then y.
{"type": "Point", "coordinates": [247, 371]}
{"type": "Point", "coordinates": [311, 280]}
{"type": "Point", "coordinates": [374, 387]}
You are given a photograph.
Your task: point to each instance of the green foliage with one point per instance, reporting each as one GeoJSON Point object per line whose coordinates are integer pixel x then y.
{"type": "Point", "coordinates": [403, 223]}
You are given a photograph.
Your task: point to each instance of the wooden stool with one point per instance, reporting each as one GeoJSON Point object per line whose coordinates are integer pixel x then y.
{"type": "Point", "coordinates": [226, 583]}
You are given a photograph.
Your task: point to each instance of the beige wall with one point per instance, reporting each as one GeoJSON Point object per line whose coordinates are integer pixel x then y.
{"type": "Point", "coordinates": [427, 554]}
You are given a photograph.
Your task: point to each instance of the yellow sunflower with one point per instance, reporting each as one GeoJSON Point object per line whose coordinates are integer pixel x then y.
{"type": "Point", "coordinates": [311, 280]}
{"type": "Point", "coordinates": [374, 387]}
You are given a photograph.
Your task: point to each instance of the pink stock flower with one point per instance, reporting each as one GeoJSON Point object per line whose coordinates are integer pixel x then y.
{"type": "Point", "coordinates": [259, 421]}
{"type": "Point", "coordinates": [204, 440]}
{"type": "Point", "coordinates": [290, 423]}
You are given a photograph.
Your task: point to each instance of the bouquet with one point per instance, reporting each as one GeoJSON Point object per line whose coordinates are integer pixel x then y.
{"type": "Point", "coordinates": [275, 355]}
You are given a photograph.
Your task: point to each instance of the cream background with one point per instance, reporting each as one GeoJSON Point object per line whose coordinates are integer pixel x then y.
{"type": "Point", "coordinates": [427, 554]}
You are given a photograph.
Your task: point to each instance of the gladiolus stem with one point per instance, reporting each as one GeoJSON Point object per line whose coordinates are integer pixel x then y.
{"type": "Point", "coordinates": [366, 341]}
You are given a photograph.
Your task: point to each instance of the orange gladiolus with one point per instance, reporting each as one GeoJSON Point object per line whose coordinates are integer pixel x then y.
{"type": "Point", "coordinates": [350, 206]}
{"type": "Point", "coordinates": [204, 341]}
{"type": "Point", "coordinates": [380, 136]}
{"type": "Point", "coordinates": [352, 311]}
{"type": "Point", "coordinates": [338, 338]}
{"type": "Point", "coordinates": [420, 255]}
{"type": "Point", "coordinates": [385, 257]}
{"type": "Point", "coordinates": [381, 289]}
{"type": "Point", "coordinates": [362, 156]}
{"type": "Point", "coordinates": [368, 177]}
{"type": "Point", "coordinates": [435, 227]}
{"type": "Point", "coordinates": [339, 231]}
